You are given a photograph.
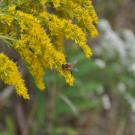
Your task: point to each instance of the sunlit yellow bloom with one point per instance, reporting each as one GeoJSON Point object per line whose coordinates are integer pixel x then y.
{"type": "Point", "coordinates": [70, 31]}
{"type": "Point", "coordinates": [10, 75]}
{"type": "Point", "coordinates": [85, 16]}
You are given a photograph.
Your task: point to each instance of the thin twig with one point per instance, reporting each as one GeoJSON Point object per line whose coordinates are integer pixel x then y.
{"type": "Point", "coordinates": [69, 103]}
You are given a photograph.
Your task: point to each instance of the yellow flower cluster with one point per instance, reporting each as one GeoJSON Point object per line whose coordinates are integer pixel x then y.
{"type": "Point", "coordinates": [9, 74]}
{"type": "Point", "coordinates": [39, 29]}
{"type": "Point", "coordinates": [83, 11]}
{"type": "Point", "coordinates": [61, 27]}
{"type": "Point", "coordinates": [37, 50]}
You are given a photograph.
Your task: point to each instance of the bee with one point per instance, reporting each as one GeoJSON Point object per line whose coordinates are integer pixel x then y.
{"type": "Point", "coordinates": [68, 67]}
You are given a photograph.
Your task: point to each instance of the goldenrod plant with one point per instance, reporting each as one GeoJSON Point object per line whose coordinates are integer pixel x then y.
{"type": "Point", "coordinates": [36, 29]}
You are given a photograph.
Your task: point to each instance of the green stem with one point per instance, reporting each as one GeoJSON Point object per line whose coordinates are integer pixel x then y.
{"type": "Point", "coordinates": [6, 37]}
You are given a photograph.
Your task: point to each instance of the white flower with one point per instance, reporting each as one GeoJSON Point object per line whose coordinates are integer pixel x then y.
{"type": "Point", "coordinates": [100, 63]}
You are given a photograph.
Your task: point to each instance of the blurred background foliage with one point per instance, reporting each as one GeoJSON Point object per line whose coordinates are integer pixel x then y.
{"type": "Point", "coordinates": [102, 100]}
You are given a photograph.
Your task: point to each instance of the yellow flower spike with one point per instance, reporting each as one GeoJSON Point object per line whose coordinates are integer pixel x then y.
{"type": "Point", "coordinates": [32, 62]}
{"type": "Point", "coordinates": [10, 75]}
{"type": "Point", "coordinates": [85, 16]}
{"type": "Point", "coordinates": [92, 12]}
{"type": "Point", "coordinates": [70, 30]}
{"type": "Point", "coordinates": [88, 5]}
{"type": "Point", "coordinates": [69, 77]}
